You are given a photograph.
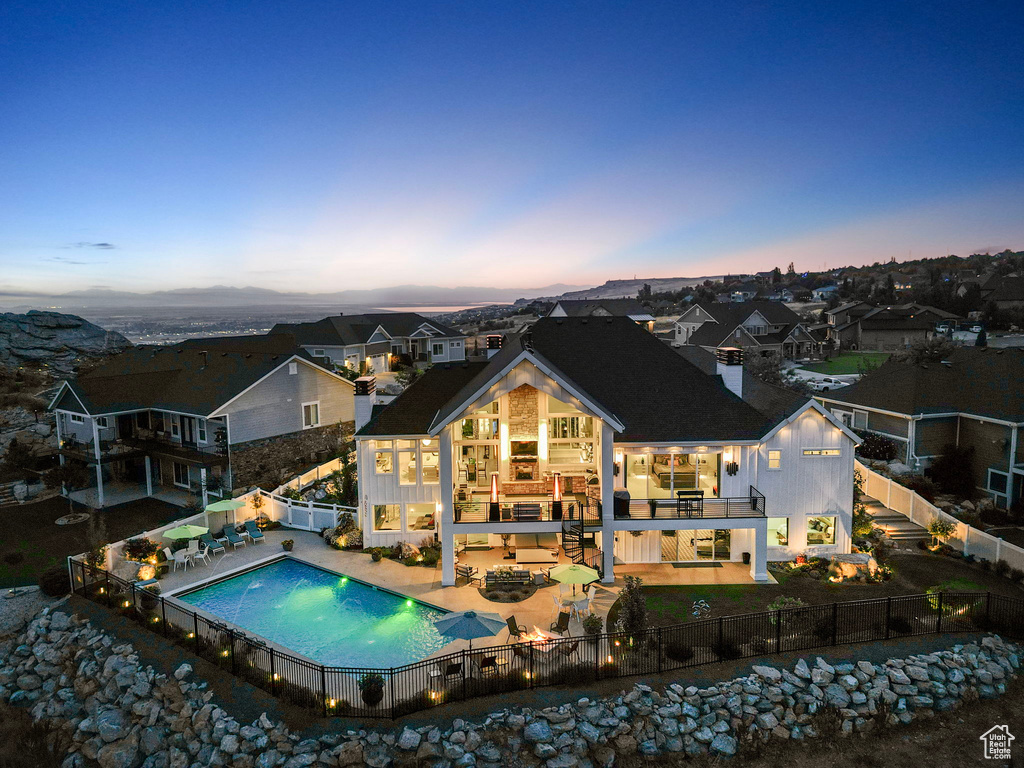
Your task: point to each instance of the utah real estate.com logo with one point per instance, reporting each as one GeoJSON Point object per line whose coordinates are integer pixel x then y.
{"type": "Point", "coordinates": [997, 742]}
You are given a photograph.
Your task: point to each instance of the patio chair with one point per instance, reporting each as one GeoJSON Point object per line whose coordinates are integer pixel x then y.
{"type": "Point", "coordinates": [453, 669]}
{"type": "Point", "coordinates": [568, 649]}
{"type": "Point", "coordinates": [233, 538]}
{"type": "Point", "coordinates": [469, 573]}
{"type": "Point", "coordinates": [514, 629]}
{"type": "Point", "coordinates": [521, 653]}
{"type": "Point", "coordinates": [181, 557]}
{"type": "Point", "coordinates": [212, 545]}
{"type": "Point", "coordinates": [486, 665]}
{"type": "Point", "coordinates": [254, 532]}
{"type": "Point", "coordinates": [561, 626]}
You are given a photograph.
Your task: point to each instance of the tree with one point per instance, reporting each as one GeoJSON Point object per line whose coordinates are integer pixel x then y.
{"type": "Point", "coordinates": [982, 340]}
{"type": "Point", "coordinates": [953, 471]}
{"type": "Point", "coordinates": [632, 607]}
{"type": "Point", "coordinates": [791, 270]}
{"type": "Point", "coordinates": [862, 521]}
{"type": "Point", "coordinates": [18, 456]}
{"type": "Point", "coordinates": [644, 294]}
{"type": "Point", "coordinates": [933, 350]}
{"type": "Point", "coordinates": [776, 275]}
{"type": "Point", "coordinates": [941, 529]}
{"type": "Point", "coordinates": [767, 368]}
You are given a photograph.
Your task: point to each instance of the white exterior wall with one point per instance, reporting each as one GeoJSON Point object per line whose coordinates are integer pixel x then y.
{"type": "Point", "coordinates": [386, 489]}
{"type": "Point", "coordinates": [808, 486]}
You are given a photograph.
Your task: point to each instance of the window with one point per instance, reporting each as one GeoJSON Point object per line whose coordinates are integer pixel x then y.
{"type": "Point", "coordinates": [778, 531]}
{"type": "Point", "coordinates": [293, 368]}
{"type": "Point", "coordinates": [383, 462]}
{"type": "Point", "coordinates": [997, 481]}
{"type": "Point", "coordinates": [180, 474]}
{"type": "Point", "coordinates": [860, 419]}
{"type": "Point", "coordinates": [175, 425]}
{"type": "Point", "coordinates": [821, 452]}
{"type": "Point", "coordinates": [407, 467]}
{"type": "Point", "coordinates": [774, 459]}
{"type": "Point", "coordinates": [568, 427]}
{"type": "Point", "coordinates": [479, 429]}
{"type": "Point", "coordinates": [431, 462]}
{"type": "Point", "coordinates": [437, 348]}
{"type": "Point", "coordinates": [821, 530]}
{"type": "Point", "coordinates": [310, 415]}
{"type": "Point", "coordinates": [102, 422]}
{"type": "Point", "coordinates": [201, 429]}
{"type": "Point", "coordinates": [387, 517]}
{"type": "Point", "coordinates": [421, 517]}
{"type": "Point", "coordinates": [456, 345]}
{"type": "Point", "coordinates": [77, 419]}
{"type": "Point", "coordinates": [318, 353]}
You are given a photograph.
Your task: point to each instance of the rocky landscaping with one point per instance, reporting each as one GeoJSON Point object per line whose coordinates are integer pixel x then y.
{"type": "Point", "coordinates": [121, 715]}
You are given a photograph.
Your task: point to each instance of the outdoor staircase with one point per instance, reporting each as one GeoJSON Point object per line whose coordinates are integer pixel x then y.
{"type": "Point", "coordinates": [897, 527]}
{"type": "Point", "coordinates": [578, 543]}
{"type": "Point", "coordinates": [7, 497]}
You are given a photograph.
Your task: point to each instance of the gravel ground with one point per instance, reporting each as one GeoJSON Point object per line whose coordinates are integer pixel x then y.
{"type": "Point", "coordinates": [16, 611]}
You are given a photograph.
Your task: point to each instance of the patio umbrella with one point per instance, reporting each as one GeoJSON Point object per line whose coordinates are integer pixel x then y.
{"type": "Point", "coordinates": [467, 625]}
{"type": "Point", "coordinates": [185, 532]}
{"type": "Point", "coordinates": [573, 574]}
{"type": "Point", "coordinates": [227, 505]}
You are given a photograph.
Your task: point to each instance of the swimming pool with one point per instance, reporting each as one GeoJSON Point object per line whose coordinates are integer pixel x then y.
{"type": "Point", "coordinates": [332, 619]}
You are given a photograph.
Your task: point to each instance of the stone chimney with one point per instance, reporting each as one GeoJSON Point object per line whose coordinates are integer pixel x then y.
{"type": "Point", "coordinates": [493, 344]}
{"type": "Point", "coordinates": [366, 398]}
{"type": "Point", "coordinates": [730, 368]}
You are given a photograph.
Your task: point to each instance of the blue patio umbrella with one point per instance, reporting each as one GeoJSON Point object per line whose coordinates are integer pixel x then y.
{"type": "Point", "coordinates": [469, 625]}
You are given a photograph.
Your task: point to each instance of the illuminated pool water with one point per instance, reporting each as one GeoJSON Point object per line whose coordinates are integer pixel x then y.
{"type": "Point", "coordinates": [331, 619]}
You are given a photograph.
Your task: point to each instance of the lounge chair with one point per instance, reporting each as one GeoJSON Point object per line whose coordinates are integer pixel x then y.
{"type": "Point", "coordinates": [561, 626]}
{"type": "Point", "coordinates": [254, 532]}
{"type": "Point", "coordinates": [212, 545]}
{"type": "Point", "coordinates": [469, 573]}
{"type": "Point", "coordinates": [515, 630]}
{"type": "Point", "coordinates": [233, 538]}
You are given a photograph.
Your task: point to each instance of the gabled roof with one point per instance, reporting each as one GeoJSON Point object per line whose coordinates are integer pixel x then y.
{"type": "Point", "coordinates": [630, 308]}
{"type": "Point", "coordinates": [1009, 288]}
{"type": "Point", "coordinates": [847, 307]}
{"type": "Point", "coordinates": [196, 376]}
{"type": "Point", "coordinates": [974, 380]}
{"type": "Point", "coordinates": [728, 317]}
{"type": "Point", "coordinates": [625, 371]}
{"type": "Point", "coordinates": [343, 330]}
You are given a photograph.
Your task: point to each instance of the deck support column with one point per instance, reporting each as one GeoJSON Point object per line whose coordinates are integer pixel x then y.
{"type": "Point", "coordinates": [447, 532]}
{"type": "Point", "coordinates": [202, 485]}
{"type": "Point", "coordinates": [759, 555]}
{"type": "Point", "coordinates": [149, 476]}
{"type": "Point", "coordinates": [607, 474]}
{"type": "Point", "coordinates": [99, 462]}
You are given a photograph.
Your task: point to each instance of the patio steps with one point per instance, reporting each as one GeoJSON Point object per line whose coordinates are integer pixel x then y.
{"type": "Point", "coordinates": [896, 526]}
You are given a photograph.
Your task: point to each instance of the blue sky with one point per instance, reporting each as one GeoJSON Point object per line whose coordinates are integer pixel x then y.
{"type": "Point", "coordinates": [324, 146]}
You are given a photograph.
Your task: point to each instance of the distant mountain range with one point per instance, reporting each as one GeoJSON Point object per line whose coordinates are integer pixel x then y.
{"type": "Point", "coordinates": [227, 296]}
{"type": "Point", "coordinates": [620, 289]}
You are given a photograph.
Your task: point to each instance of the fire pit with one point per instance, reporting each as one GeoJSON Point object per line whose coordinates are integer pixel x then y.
{"type": "Point", "coordinates": [538, 636]}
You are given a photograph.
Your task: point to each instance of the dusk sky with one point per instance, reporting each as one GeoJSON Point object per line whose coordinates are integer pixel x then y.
{"type": "Point", "coordinates": [324, 146]}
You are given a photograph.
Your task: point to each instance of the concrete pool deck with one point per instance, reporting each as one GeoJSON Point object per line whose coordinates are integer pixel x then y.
{"type": "Point", "coordinates": [424, 584]}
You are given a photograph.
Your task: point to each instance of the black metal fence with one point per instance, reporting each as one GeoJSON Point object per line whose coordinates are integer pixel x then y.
{"type": "Point", "coordinates": [397, 691]}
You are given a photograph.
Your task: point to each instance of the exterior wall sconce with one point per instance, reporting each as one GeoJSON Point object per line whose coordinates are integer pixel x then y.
{"type": "Point", "coordinates": [732, 468]}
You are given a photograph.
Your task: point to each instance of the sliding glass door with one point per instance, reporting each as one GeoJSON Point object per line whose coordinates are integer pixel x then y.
{"type": "Point", "coordinates": [701, 545]}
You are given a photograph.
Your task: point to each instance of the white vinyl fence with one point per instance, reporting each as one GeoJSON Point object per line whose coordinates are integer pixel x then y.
{"type": "Point", "coordinates": [968, 540]}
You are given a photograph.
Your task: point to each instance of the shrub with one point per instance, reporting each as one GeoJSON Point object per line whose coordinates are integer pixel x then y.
{"type": "Point", "coordinates": [953, 471]}
{"type": "Point", "coordinates": [823, 629]}
{"type": "Point", "coordinates": [592, 624]}
{"type": "Point", "coordinates": [680, 652]}
{"type": "Point", "coordinates": [878, 447]}
{"type": "Point", "coordinates": [922, 486]}
{"type": "Point", "coordinates": [899, 626]}
{"type": "Point", "coordinates": [941, 529]}
{"type": "Point", "coordinates": [1001, 568]}
{"type": "Point", "coordinates": [376, 555]}
{"type": "Point", "coordinates": [411, 560]}
{"type": "Point", "coordinates": [140, 550]}
{"type": "Point", "coordinates": [96, 558]}
{"type": "Point", "coordinates": [726, 650]}
{"type": "Point", "coordinates": [986, 565]}
{"type": "Point", "coordinates": [54, 581]}
{"type": "Point", "coordinates": [1016, 574]}
{"type": "Point", "coordinates": [431, 557]}
{"type": "Point", "coordinates": [783, 602]}
{"type": "Point", "coordinates": [24, 742]}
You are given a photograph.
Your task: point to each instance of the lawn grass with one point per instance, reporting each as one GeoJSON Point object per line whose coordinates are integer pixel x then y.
{"type": "Point", "coordinates": [31, 541]}
{"type": "Point", "coordinates": [846, 363]}
{"type": "Point", "coordinates": [914, 574]}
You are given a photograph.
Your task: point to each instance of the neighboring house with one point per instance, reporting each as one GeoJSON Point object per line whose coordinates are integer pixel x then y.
{"type": "Point", "coordinates": [825, 293]}
{"type": "Point", "coordinates": [863, 326]}
{"type": "Point", "coordinates": [603, 466]}
{"type": "Point", "coordinates": [630, 308]}
{"type": "Point", "coordinates": [971, 399]}
{"type": "Point", "coordinates": [763, 326]}
{"type": "Point", "coordinates": [375, 341]}
{"type": "Point", "coordinates": [744, 292]}
{"type": "Point", "coordinates": [198, 418]}
{"type": "Point", "coordinates": [1005, 291]}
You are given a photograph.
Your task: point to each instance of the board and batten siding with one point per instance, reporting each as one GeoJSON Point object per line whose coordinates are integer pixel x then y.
{"type": "Point", "coordinates": [385, 489]}
{"type": "Point", "coordinates": [808, 486]}
{"type": "Point", "coordinates": [274, 406]}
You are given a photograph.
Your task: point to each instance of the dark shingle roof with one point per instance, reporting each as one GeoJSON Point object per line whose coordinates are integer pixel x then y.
{"type": "Point", "coordinates": [196, 376]}
{"type": "Point", "coordinates": [1009, 288]}
{"type": "Point", "coordinates": [729, 316]}
{"type": "Point", "coordinates": [413, 411]}
{"type": "Point", "coordinates": [977, 380]}
{"type": "Point", "coordinates": [341, 330]}
{"type": "Point", "coordinates": [623, 369]}
{"type": "Point", "coordinates": [614, 307]}
{"type": "Point", "coordinates": [777, 403]}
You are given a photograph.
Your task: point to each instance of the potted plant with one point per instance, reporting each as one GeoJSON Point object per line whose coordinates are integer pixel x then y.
{"type": "Point", "coordinates": [371, 688]}
{"type": "Point", "coordinates": [592, 626]}
{"type": "Point", "coordinates": [801, 559]}
{"type": "Point", "coordinates": [376, 555]}
{"type": "Point", "coordinates": [288, 544]}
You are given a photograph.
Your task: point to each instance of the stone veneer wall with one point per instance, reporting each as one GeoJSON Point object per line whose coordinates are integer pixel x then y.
{"type": "Point", "coordinates": [523, 413]}
{"type": "Point", "coordinates": [120, 714]}
{"type": "Point", "coordinates": [264, 462]}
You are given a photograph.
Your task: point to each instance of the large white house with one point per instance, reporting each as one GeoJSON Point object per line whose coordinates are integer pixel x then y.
{"type": "Point", "coordinates": [636, 457]}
